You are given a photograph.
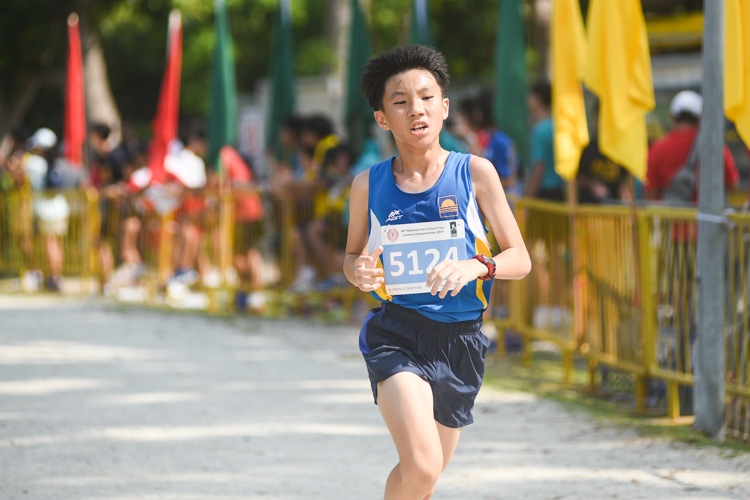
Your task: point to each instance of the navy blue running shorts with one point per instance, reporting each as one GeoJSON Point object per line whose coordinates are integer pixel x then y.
{"type": "Point", "coordinates": [448, 356]}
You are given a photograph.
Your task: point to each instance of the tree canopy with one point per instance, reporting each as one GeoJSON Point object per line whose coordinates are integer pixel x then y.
{"type": "Point", "coordinates": [133, 38]}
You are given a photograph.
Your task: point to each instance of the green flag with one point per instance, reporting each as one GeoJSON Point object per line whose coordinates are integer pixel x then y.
{"type": "Point", "coordinates": [511, 76]}
{"type": "Point", "coordinates": [358, 113]}
{"type": "Point", "coordinates": [419, 28]}
{"type": "Point", "coordinates": [222, 114]}
{"type": "Point", "coordinates": [281, 77]}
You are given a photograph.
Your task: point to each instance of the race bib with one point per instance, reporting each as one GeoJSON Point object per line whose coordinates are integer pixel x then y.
{"type": "Point", "coordinates": [410, 251]}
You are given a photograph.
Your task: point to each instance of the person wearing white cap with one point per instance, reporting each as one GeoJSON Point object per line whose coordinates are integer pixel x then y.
{"type": "Point", "coordinates": [186, 168]}
{"type": "Point", "coordinates": [35, 162]}
{"type": "Point", "coordinates": [51, 212]}
{"type": "Point", "coordinates": [667, 155]}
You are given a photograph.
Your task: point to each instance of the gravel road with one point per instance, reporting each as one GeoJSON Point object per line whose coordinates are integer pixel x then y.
{"type": "Point", "coordinates": [99, 401]}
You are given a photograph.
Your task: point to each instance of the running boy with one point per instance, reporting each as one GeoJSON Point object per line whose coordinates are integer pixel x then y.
{"type": "Point", "coordinates": [418, 242]}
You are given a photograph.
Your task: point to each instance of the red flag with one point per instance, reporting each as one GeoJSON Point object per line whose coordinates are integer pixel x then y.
{"type": "Point", "coordinates": [164, 124]}
{"type": "Point", "coordinates": [74, 130]}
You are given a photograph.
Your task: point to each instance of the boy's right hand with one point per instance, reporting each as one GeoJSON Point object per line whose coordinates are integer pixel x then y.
{"type": "Point", "coordinates": [368, 276]}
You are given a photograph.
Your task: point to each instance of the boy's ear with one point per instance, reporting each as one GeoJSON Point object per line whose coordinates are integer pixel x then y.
{"type": "Point", "coordinates": [382, 122]}
{"type": "Point", "coordinates": [446, 108]}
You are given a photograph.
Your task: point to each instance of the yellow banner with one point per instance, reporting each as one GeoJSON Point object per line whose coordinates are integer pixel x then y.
{"type": "Point", "coordinates": [618, 71]}
{"type": "Point", "coordinates": [568, 63]}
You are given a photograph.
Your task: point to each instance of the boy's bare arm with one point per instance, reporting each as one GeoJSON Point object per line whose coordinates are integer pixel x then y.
{"type": "Point", "coordinates": [359, 267]}
{"type": "Point", "coordinates": [513, 262]}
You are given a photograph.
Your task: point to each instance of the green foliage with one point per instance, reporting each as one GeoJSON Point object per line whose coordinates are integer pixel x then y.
{"type": "Point", "coordinates": [466, 35]}
{"type": "Point", "coordinates": [134, 39]}
{"type": "Point", "coordinates": [134, 36]}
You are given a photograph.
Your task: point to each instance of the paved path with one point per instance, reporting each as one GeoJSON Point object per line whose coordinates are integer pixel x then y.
{"type": "Point", "coordinates": [103, 402]}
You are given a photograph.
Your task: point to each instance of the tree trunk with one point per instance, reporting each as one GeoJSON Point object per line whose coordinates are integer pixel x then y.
{"type": "Point", "coordinates": [337, 32]}
{"type": "Point", "coordinates": [100, 104]}
{"type": "Point", "coordinates": [541, 16]}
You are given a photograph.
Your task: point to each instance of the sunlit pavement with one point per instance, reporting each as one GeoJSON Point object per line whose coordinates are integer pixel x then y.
{"type": "Point", "coordinates": [111, 402]}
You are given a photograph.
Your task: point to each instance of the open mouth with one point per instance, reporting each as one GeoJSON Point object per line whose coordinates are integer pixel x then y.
{"type": "Point", "coordinates": [417, 128]}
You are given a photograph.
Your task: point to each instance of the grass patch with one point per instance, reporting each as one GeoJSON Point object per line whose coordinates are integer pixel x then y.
{"type": "Point", "coordinates": [612, 405]}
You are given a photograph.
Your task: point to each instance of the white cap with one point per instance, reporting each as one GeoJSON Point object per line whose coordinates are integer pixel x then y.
{"type": "Point", "coordinates": [687, 101]}
{"type": "Point", "coordinates": [43, 138]}
{"type": "Point", "coordinates": [186, 167]}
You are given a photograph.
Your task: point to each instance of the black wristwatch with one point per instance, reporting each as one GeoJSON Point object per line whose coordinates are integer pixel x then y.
{"type": "Point", "coordinates": [487, 261]}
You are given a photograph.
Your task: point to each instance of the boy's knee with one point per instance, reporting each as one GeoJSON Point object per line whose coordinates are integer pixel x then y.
{"type": "Point", "coordinates": [421, 476]}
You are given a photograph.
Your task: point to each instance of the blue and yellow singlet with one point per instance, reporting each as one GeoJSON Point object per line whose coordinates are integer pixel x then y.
{"type": "Point", "coordinates": [447, 208]}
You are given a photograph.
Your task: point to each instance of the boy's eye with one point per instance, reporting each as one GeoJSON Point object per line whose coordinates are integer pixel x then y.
{"type": "Point", "coordinates": [400, 102]}
{"type": "Point", "coordinates": [427, 98]}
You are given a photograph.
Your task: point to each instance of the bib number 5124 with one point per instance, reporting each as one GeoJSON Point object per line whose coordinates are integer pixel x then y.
{"type": "Point", "coordinates": [398, 266]}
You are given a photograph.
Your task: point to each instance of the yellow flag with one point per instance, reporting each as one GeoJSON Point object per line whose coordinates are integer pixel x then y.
{"type": "Point", "coordinates": [568, 110]}
{"type": "Point", "coordinates": [618, 71]}
{"type": "Point", "coordinates": [737, 65]}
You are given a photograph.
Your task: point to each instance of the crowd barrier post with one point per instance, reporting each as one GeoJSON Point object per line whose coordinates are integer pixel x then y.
{"type": "Point", "coordinates": [288, 221]}
{"type": "Point", "coordinates": [646, 294]}
{"type": "Point", "coordinates": [165, 247]}
{"type": "Point", "coordinates": [91, 217]}
{"type": "Point", "coordinates": [226, 227]}
{"type": "Point", "coordinates": [517, 288]}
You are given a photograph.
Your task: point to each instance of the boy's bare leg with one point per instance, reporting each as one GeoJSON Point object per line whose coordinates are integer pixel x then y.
{"type": "Point", "coordinates": [424, 447]}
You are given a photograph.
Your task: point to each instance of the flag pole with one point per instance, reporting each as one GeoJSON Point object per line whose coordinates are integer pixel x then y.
{"type": "Point", "coordinates": [710, 383]}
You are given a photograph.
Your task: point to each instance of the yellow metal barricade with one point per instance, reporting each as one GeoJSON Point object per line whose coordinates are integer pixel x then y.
{"type": "Point", "coordinates": [38, 223]}
{"type": "Point", "coordinates": [546, 312]}
{"type": "Point", "coordinates": [610, 299]}
{"type": "Point", "coordinates": [613, 284]}
{"type": "Point", "coordinates": [670, 261]}
{"type": "Point", "coordinates": [738, 327]}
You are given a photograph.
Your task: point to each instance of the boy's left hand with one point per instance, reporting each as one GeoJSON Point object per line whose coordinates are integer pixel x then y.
{"type": "Point", "coordinates": [453, 272]}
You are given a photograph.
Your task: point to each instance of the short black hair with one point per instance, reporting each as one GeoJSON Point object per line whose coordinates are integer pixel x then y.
{"type": "Point", "coordinates": [333, 153]}
{"type": "Point", "coordinates": [398, 60]}
{"type": "Point", "coordinates": [293, 123]}
{"type": "Point", "coordinates": [543, 90]}
{"type": "Point", "coordinates": [318, 125]}
{"type": "Point", "coordinates": [192, 131]}
{"type": "Point", "coordinates": [101, 129]}
{"type": "Point", "coordinates": [687, 117]}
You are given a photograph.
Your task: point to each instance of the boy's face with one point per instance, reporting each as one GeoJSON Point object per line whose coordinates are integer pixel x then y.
{"type": "Point", "coordinates": [413, 107]}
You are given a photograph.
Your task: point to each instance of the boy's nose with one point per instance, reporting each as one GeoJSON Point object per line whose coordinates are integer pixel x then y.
{"type": "Point", "coordinates": [417, 108]}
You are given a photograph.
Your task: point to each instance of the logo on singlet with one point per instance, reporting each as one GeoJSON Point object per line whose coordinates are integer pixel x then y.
{"type": "Point", "coordinates": [392, 235]}
{"type": "Point", "coordinates": [394, 215]}
{"type": "Point", "coordinates": [448, 206]}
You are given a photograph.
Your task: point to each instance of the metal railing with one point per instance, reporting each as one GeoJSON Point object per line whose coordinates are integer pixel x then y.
{"type": "Point", "coordinates": [613, 284]}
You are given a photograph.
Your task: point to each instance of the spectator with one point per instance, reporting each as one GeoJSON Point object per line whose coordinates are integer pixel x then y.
{"type": "Point", "coordinates": [51, 212]}
{"type": "Point", "coordinates": [11, 160]}
{"type": "Point", "coordinates": [543, 181]}
{"type": "Point", "coordinates": [110, 166]}
{"type": "Point", "coordinates": [668, 154]}
{"type": "Point", "coordinates": [291, 142]}
{"type": "Point", "coordinates": [303, 192]}
{"type": "Point", "coordinates": [546, 237]}
{"type": "Point", "coordinates": [317, 137]}
{"type": "Point", "coordinates": [248, 218]}
{"type": "Point", "coordinates": [186, 170]}
{"type": "Point", "coordinates": [326, 233]}
{"type": "Point", "coordinates": [599, 179]}
{"type": "Point", "coordinates": [476, 127]}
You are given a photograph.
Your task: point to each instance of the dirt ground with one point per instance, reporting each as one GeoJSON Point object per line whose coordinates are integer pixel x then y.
{"type": "Point", "coordinates": [99, 401]}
